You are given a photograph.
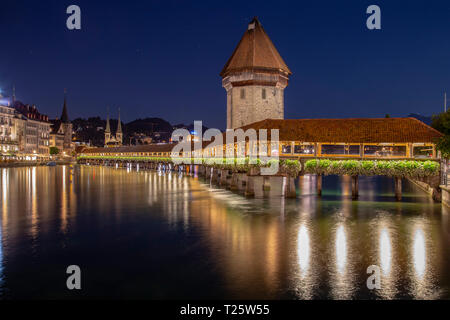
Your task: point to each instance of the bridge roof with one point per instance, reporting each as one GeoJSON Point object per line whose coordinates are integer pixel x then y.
{"type": "Point", "coordinates": [354, 130]}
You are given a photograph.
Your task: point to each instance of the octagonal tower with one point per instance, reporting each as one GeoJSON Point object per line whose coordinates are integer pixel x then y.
{"type": "Point", "coordinates": [254, 77]}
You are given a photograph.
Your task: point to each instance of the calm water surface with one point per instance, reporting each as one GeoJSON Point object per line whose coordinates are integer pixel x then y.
{"type": "Point", "coordinates": [163, 236]}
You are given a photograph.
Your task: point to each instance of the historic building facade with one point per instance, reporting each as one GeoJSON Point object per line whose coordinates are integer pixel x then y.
{"type": "Point", "coordinates": [35, 129]}
{"type": "Point", "coordinates": [113, 140]}
{"type": "Point", "coordinates": [9, 130]}
{"type": "Point", "coordinates": [254, 77]}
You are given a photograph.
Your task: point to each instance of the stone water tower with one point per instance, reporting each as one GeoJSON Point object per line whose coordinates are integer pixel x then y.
{"type": "Point", "coordinates": [254, 77]}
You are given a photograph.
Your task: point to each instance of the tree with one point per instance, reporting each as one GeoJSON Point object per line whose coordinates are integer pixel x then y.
{"type": "Point", "coordinates": [441, 122]}
{"type": "Point", "coordinates": [54, 150]}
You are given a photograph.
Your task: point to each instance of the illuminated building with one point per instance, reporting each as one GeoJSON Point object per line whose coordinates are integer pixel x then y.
{"type": "Point", "coordinates": [113, 140]}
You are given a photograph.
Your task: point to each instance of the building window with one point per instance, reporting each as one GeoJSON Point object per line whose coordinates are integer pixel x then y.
{"type": "Point", "coordinates": [340, 149]}
{"type": "Point", "coordinates": [304, 149]}
{"type": "Point", "coordinates": [286, 148]}
{"type": "Point", "coordinates": [423, 151]}
{"type": "Point", "coordinates": [242, 93]}
{"type": "Point", "coordinates": [333, 149]}
{"type": "Point", "coordinates": [352, 149]}
{"type": "Point", "coordinates": [263, 93]}
{"type": "Point", "coordinates": [385, 151]}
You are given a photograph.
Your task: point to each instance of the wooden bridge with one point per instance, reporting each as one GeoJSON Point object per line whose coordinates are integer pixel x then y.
{"type": "Point", "coordinates": [252, 182]}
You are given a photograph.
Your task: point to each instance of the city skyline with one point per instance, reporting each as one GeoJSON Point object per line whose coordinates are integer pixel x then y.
{"type": "Point", "coordinates": [138, 63]}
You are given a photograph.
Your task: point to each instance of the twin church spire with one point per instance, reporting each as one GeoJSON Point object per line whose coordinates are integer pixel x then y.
{"type": "Point", "coordinates": [111, 140]}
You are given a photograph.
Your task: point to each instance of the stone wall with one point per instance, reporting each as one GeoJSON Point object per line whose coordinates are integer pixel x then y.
{"type": "Point", "coordinates": [429, 185]}
{"type": "Point", "coordinates": [253, 107]}
{"type": "Point", "coordinates": [253, 97]}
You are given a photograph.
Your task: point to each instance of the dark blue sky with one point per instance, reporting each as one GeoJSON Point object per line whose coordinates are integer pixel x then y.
{"type": "Point", "coordinates": [163, 58]}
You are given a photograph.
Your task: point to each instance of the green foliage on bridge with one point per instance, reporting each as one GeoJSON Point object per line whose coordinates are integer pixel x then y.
{"type": "Point", "coordinates": [392, 168]}
{"type": "Point", "coordinates": [244, 165]}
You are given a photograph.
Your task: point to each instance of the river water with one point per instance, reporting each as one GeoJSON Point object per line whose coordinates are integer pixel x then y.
{"type": "Point", "coordinates": [157, 235]}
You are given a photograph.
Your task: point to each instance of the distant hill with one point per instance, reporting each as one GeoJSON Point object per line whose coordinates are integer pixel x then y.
{"type": "Point", "coordinates": [189, 127]}
{"type": "Point", "coordinates": [90, 130]}
{"type": "Point", "coordinates": [420, 117]}
{"type": "Point", "coordinates": [148, 126]}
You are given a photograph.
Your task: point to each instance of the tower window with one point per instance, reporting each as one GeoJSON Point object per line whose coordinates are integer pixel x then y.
{"type": "Point", "coordinates": [263, 93]}
{"type": "Point", "coordinates": [242, 93]}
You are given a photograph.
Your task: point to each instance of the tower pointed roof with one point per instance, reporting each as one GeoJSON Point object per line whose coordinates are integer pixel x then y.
{"type": "Point", "coordinates": [108, 128]}
{"type": "Point", "coordinates": [255, 51]}
{"type": "Point", "coordinates": [119, 125]}
{"type": "Point", "coordinates": [64, 115]}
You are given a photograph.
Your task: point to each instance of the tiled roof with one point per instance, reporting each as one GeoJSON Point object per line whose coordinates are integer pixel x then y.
{"type": "Point", "coordinates": [255, 51]}
{"type": "Point", "coordinates": [356, 130]}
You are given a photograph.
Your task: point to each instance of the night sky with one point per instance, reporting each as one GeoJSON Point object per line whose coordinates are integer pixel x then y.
{"type": "Point", "coordinates": [163, 58]}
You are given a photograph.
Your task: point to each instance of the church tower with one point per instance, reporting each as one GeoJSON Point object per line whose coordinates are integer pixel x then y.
{"type": "Point", "coordinates": [254, 77]}
{"type": "Point", "coordinates": [119, 135]}
{"type": "Point", "coordinates": [107, 131]}
{"type": "Point", "coordinates": [66, 125]}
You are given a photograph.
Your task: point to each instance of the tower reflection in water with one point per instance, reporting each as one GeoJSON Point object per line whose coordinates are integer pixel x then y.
{"type": "Point", "coordinates": [388, 284]}
{"type": "Point", "coordinates": [303, 248]}
{"type": "Point", "coordinates": [424, 271]}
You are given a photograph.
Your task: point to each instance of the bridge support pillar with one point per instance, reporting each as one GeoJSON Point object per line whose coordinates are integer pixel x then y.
{"type": "Point", "coordinates": [234, 181]}
{"type": "Point", "coordinates": [266, 184]}
{"type": "Point", "coordinates": [249, 187]}
{"type": "Point", "coordinates": [290, 187]}
{"type": "Point", "coordinates": [241, 181]}
{"type": "Point", "coordinates": [319, 184]}
{"type": "Point", "coordinates": [215, 175]}
{"type": "Point", "coordinates": [258, 186]}
{"type": "Point", "coordinates": [354, 187]}
{"type": "Point", "coordinates": [273, 186]}
{"type": "Point", "coordinates": [398, 188]}
{"type": "Point", "coordinates": [223, 177]}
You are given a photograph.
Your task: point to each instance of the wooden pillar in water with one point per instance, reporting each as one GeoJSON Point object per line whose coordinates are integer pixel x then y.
{"type": "Point", "coordinates": [223, 177]}
{"type": "Point", "coordinates": [249, 188]}
{"type": "Point", "coordinates": [266, 183]}
{"type": "Point", "coordinates": [354, 187]}
{"type": "Point", "coordinates": [398, 188]}
{"type": "Point", "coordinates": [234, 181]}
{"type": "Point", "coordinates": [290, 188]}
{"type": "Point", "coordinates": [215, 175]}
{"type": "Point", "coordinates": [319, 184]}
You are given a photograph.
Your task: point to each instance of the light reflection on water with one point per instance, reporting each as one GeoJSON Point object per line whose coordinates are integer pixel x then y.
{"type": "Point", "coordinates": [172, 236]}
